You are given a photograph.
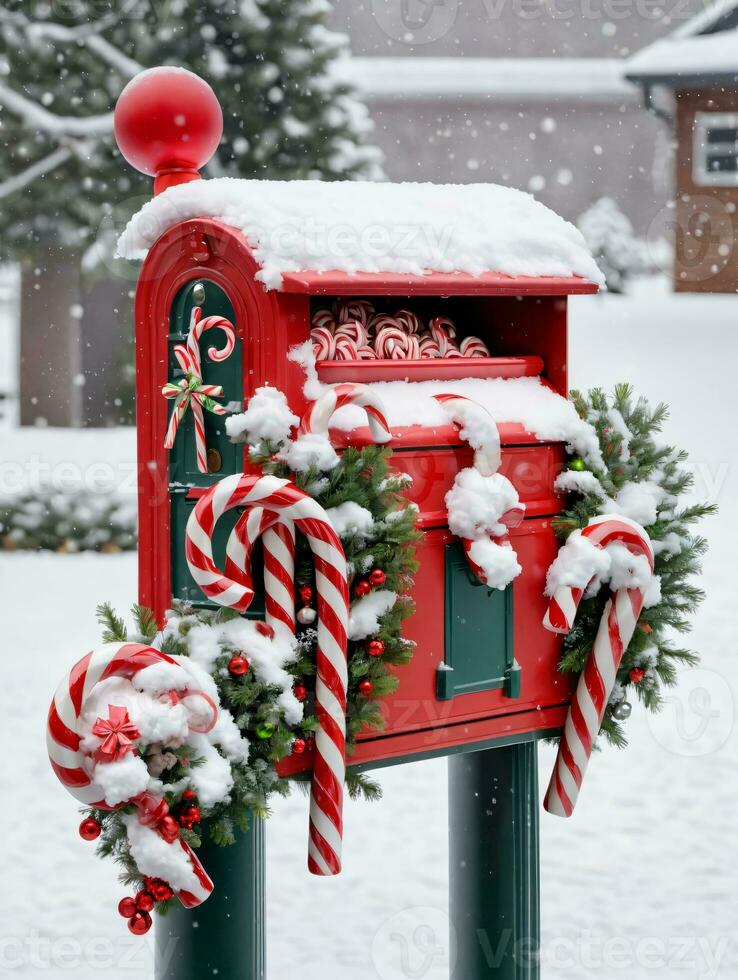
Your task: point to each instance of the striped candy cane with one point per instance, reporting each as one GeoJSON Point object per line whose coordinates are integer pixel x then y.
{"type": "Point", "coordinates": [72, 766]}
{"type": "Point", "coordinates": [295, 506]}
{"type": "Point", "coordinates": [463, 411]}
{"type": "Point", "coordinates": [597, 680]}
{"type": "Point", "coordinates": [318, 416]}
{"type": "Point", "coordinates": [191, 390]}
{"type": "Point", "coordinates": [487, 458]}
{"type": "Point", "coordinates": [279, 562]}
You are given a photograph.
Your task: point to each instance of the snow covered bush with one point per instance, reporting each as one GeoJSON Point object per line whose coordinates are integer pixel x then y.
{"type": "Point", "coordinates": [49, 520]}
{"type": "Point", "coordinates": [614, 245]}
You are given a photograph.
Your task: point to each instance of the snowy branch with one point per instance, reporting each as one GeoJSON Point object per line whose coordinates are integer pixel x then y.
{"type": "Point", "coordinates": [60, 126]}
{"type": "Point", "coordinates": [87, 34]}
{"type": "Point", "coordinates": [44, 166]}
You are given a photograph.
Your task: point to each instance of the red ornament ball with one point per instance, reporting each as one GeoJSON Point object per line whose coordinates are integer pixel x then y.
{"type": "Point", "coordinates": [265, 629]}
{"type": "Point", "coordinates": [238, 665]}
{"type": "Point", "coordinates": [127, 907]}
{"type": "Point", "coordinates": [89, 829]}
{"type": "Point", "coordinates": [140, 923]}
{"type": "Point", "coordinates": [366, 687]}
{"type": "Point", "coordinates": [190, 795]}
{"type": "Point", "coordinates": [306, 593]}
{"type": "Point", "coordinates": [375, 648]}
{"type": "Point", "coordinates": [300, 692]}
{"type": "Point", "coordinates": [168, 119]}
{"type": "Point", "coordinates": [298, 746]}
{"type": "Point", "coordinates": [637, 675]}
{"type": "Point", "coordinates": [144, 901]}
{"type": "Point", "coordinates": [377, 576]}
{"type": "Point", "coordinates": [169, 828]}
{"type": "Point", "coordinates": [362, 587]}
{"type": "Point", "coordinates": [190, 816]}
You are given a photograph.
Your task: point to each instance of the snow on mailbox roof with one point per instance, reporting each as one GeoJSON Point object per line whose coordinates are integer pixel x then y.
{"type": "Point", "coordinates": [358, 227]}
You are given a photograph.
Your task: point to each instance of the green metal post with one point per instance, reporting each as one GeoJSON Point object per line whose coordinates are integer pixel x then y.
{"type": "Point", "coordinates": [225, 936]}
{"type": "Point", "coordinates": [493, 863]}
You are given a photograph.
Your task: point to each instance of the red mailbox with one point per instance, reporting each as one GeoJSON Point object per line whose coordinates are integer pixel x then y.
{"type": "Point", "coordinates": [484, 667]}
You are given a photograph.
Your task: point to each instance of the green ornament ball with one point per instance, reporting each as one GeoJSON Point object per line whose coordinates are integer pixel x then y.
{"type": "Point", "coordinates": [264, 730]}
{"type": "Point", "coordinates": [578, 464]}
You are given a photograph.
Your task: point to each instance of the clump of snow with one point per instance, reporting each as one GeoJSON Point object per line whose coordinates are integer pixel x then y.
{"type": "Point", "coordinates": [578, 564]}
{"type": "Point", "coordinates": [355, 226]}
{"type": "Point", "coordinates": [475, 503]}
{"type": "Point", "coordinates": [267, 657]}
{"type": "Point", "coordinates": [639, 501]}
{"type": "Point", "coordinates": [583, 482]}
{"type": "Point", "coordinates": [350, 518]}
{"type": "Point", "coordinates": [267, 419]}
{"type": "Point", "coordinates": [122, 779]}
{"type": "Point", "coordinates": [367, 612]}
{"type": "Point", "coordinates": [311, 449]}
{"type": "Point", "coordinates": [526, 401]}
{"type": "Point", "coordinates": [498, 562]}
{"type": "Point", "coordinates": [158, 859]}
{"type": "Point", "coordinates": [582, 564]}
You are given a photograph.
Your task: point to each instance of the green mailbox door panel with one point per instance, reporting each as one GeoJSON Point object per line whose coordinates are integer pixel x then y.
{"type": "Point", "coordinates": [183, 458]}
{"type": "Point", "coordinates": [478, 633]}
{"type": "Point", "coordinates": [183, 471]}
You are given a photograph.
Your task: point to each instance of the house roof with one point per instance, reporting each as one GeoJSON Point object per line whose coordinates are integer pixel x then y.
{"type": "Point", "coordinates": [702, 52]}
{"type": "Point", "coordinates": [351, 236]}
{"type": "Point", "coordinates": [701, 61]}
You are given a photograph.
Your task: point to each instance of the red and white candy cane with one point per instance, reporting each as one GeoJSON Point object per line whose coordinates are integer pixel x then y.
{"type": "Point", "coordinates": [73, 767]}
{"type": "Point", "coordinates": [319, 415]}
{"type": "Point", "coordinates": [487, 458]}
{"type": "Point", "coordinates": [354, 309]}
{"type": "Point", "coordinates": [473, 347]}
{"type": "Point", "coordinates": [462, 410]}
{"type": "Point", "coordinates": [346, 349]}
{"type": "Point", "coordinates": [191, 391]}
{"type": "Point", "coordinates": [324, 343]}
{"type": "Point", "coordinates": [308, 517]}
{"type": "Point", "coordinates": [443, 331]}
{"type": "Point", "coordinates": [278, 538]}
{"type": "Point", "coordinates": [597, 680]}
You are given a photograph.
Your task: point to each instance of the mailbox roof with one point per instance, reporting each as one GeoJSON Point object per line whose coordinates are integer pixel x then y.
{"type": "Point", "coordinates": [350, 237]}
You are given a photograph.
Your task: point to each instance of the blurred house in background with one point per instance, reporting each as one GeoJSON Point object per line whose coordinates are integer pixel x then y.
{"type": "Point", "coordinates": [690, 79]}
{"type": "Point", "coordinates": [523, 92]}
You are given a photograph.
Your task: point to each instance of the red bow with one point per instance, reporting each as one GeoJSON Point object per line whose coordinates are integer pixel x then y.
{"type": "Point", "coordinates": [118, 732]}
{"type": "Point", "coordinates": [153, 812]}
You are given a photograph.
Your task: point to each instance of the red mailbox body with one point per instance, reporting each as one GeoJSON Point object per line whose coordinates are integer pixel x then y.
{"type": "Point", "coordinates": [441, 704]}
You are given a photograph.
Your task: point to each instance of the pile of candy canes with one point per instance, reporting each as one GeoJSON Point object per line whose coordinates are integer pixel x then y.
{"type": "Point", "coordinates": [353, 331]}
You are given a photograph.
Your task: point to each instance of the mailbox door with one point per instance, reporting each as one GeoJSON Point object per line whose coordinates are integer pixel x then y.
{"type": "Point", "coordinates": [478, 633]}
{"type": "Point", "coordinates": [224, 458]}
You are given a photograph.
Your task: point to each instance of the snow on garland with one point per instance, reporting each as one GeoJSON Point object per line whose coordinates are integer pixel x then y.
{"type": "Point", "coordinates": [642, 480]}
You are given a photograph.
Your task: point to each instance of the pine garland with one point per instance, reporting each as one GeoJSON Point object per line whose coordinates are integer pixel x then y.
{"type": "Point", "coordinates": [627, 430]}
{"type": "Point", "coordinates": [364, 477]}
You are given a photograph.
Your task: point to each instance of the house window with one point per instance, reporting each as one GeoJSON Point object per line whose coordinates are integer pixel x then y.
{"type": "Point", "coordinates": [715, 160]}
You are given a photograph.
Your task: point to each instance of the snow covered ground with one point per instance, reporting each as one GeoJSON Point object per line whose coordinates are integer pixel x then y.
{"type": "Point", "coordinates": [639, 884]}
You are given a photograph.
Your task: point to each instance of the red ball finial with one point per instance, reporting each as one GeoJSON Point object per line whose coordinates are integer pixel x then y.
{"type": "Point", "coordinates": [168, 124]}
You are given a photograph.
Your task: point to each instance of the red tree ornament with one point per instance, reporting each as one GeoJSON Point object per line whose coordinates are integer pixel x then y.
{"type": "Point", "coordinates": [375, 648]}
{"type": "Point", "coordinates": [89, 829]}
{"type": "Point", "coordinates": [127, 907]}
{"type": "Point", "coordinates": [168, 124]}
{"type": "Point", "coordinates": [377, 576]}
{"type": "Point", "coordinates": [300, 692]}
{"type": "Point", "coordinates": [362, 588]}
{"type": "Point", "coordinates": [637, 675]}
{"type": "Point", "coordinates": [366, 687]}
{"type": "Point", "coordinates": [238, 665]}
{"type": "Point", "coordinates": [140, 923]}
